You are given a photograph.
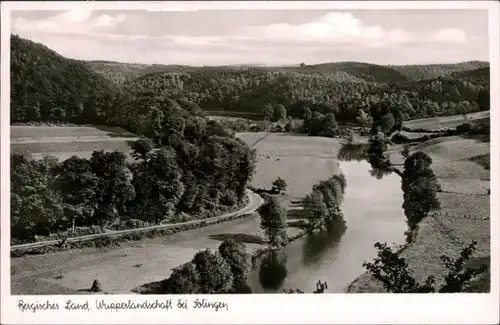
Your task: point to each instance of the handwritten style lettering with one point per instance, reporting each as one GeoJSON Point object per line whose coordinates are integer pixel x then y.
{"type": "Point", "coordinates": [204, 304]}
{"type": "Point", "coordinates": [182, 304]}
{"type": "Point", "coordinates": [70, 305]}
{"type": "Point", "coordinates": [36, 306]}
{"type": "Point", "coordinates": [115, 306]}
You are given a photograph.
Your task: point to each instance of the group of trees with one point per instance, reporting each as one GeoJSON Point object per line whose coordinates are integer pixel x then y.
{"type": "Point", "coordinates": [322, 205]}
{"type": "Point", "coordinates": [420, 187]}
{"type": "Point", "coordinates": [211, 272]}
{"type": "Point", "coordinates": [274, 113]}
{"type": "Point", "coordinates": [418, 181]}
{"type": "Point", "coordinates": [189, 164]}
{"type": "Point", "coordinates": [195, 177]}
{"type": "Point", "coordinates": [196, 168]}
{"type": "Point", "coordinates": [48, 196]}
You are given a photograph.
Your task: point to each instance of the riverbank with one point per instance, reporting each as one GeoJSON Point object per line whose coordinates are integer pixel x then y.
{"type": "Point", "coordinates": [464, 214]}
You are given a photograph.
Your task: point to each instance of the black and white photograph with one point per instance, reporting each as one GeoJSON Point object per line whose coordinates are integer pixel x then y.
{"type": "Point", "coordinates": [184, 149]}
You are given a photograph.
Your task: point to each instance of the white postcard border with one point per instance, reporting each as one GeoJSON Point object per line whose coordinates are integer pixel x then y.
{"type": "Point", "coordinates": [268, 309]}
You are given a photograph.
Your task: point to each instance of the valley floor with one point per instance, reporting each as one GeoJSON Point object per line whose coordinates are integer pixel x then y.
{"type": "Point", "coordinates": [302, 161]}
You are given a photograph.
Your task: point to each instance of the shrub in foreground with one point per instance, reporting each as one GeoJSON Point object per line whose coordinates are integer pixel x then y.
{"type": "Point", "coordinates": [392, 271]}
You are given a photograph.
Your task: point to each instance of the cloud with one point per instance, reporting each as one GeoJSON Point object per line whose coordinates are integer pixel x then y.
{"type": "Point", "coordinates": [453, 35]}
{"type": "Point", "coordinates": [335, 27]}
{"type": "Point", "coordinates": [71, 22]}
{"type": "Point", "coordinates": [108, 21]}
{"type": "Point", "coordinates": [335, 36]}
{"type": "Point", "coordinates": [74, 16]}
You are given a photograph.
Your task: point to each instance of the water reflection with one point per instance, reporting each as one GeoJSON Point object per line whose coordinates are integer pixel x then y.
{"type": "Point", "coordinates": [373, 212]}
{"type": "Point", "coordinates": [359, 152]}
{"type": "Point", "coordinates": [318, 243]}
{"type": "Point", "coordinates": [353, 151]}
{"type": "Point", "coordinates": [379, 173]}
{"type": "Point", "coordinates": [273, 270]}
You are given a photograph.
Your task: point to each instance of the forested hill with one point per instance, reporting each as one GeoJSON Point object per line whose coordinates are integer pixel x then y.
{"type": "Point", "coordinates": [431, 71]}
{"type": "Point", "coordinates": [250, 90]}
{"type": "Point", "coordinates": [46, 86]}
{"type": "Point", "coordinates": [199, 169]}
{"type": "Point", "coordinates": [365, 71]}
{"type": "Point", "coordinates": [478, 76]}
{"type": "Point", "coordinates": [121, 73]}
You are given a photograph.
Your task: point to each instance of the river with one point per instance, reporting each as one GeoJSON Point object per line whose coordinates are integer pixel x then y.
{"type": "Point", "coordinates": [371, 207]}
{"type": "Point", "coordinates": [373, 212]}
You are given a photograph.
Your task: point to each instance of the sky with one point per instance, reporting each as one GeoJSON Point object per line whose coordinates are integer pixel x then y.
{"type": "Point", "coordinates": [265, 37]}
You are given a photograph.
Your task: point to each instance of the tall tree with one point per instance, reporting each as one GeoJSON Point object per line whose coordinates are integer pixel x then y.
{"type": "Point", "coordinates": [273, 222]}
{"type": "Point", "coordinates": [215, 273]}
{"type": "Point", "coordinates": [279, 112]}
{"type": "Point", "coordinates": [236, 256]}
{"type": "Point", "coordinates": [420, 187]}
{"type": "Point", "coordinates": [268, 112]}
{"type": "Point", "coordinates": [114, 189]}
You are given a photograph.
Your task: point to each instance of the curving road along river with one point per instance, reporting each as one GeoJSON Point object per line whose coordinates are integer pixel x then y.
{"type": "Point", "coordinates": [121, 270]}
{"type": "Point", "coordinates": [254, 202]}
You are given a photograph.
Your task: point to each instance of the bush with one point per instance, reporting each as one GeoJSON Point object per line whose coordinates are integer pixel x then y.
{"type": "Point", "coordinates": [464, 128]}
{"type": "Point", "coordinates": [393, 272]}
{"type": "Point", "coordinates": [236, 256]}
{"type": "Point", "coordinates": [279, 185]}
{"type": "Point", "coordinates": [215, 273]}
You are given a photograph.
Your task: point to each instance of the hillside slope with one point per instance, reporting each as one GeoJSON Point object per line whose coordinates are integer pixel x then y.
{"type": "Point", "coordinates": [199, 167]}
{"type": "Point", "coordinates": [479, 76]}
{"type": "Point", "coordinates": [121, 73]}
{"type": "Point", "coordinates": [431, 71]}
{"type": "Point", "coordinates": [366, 71]}
{"type": "Point", "coordinates": [46, 86]}
{"type": "Point", "coordinates": [250, 90]}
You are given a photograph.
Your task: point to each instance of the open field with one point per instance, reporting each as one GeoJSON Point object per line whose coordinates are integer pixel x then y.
{"type": "Point", "coordinates": [301, 161]}
{"type": "Point", "coordinates": [64, 142]}
{"type": "Point", "coordinates": [446, 121]}
{"type": "Point", "coordinates": [29, 131]}
{"type": "Point", "coordinates": [453, 148]}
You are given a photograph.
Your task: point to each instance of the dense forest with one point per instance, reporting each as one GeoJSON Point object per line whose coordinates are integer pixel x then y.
{"type": "Point", "coordinates": [431, 71]}
{"type": "Point", "coordinates": [121, 73]}
{"type": "Point", "coordinates": [48, 87]}
{"type": "Point", "coordinates": [249, 90]}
